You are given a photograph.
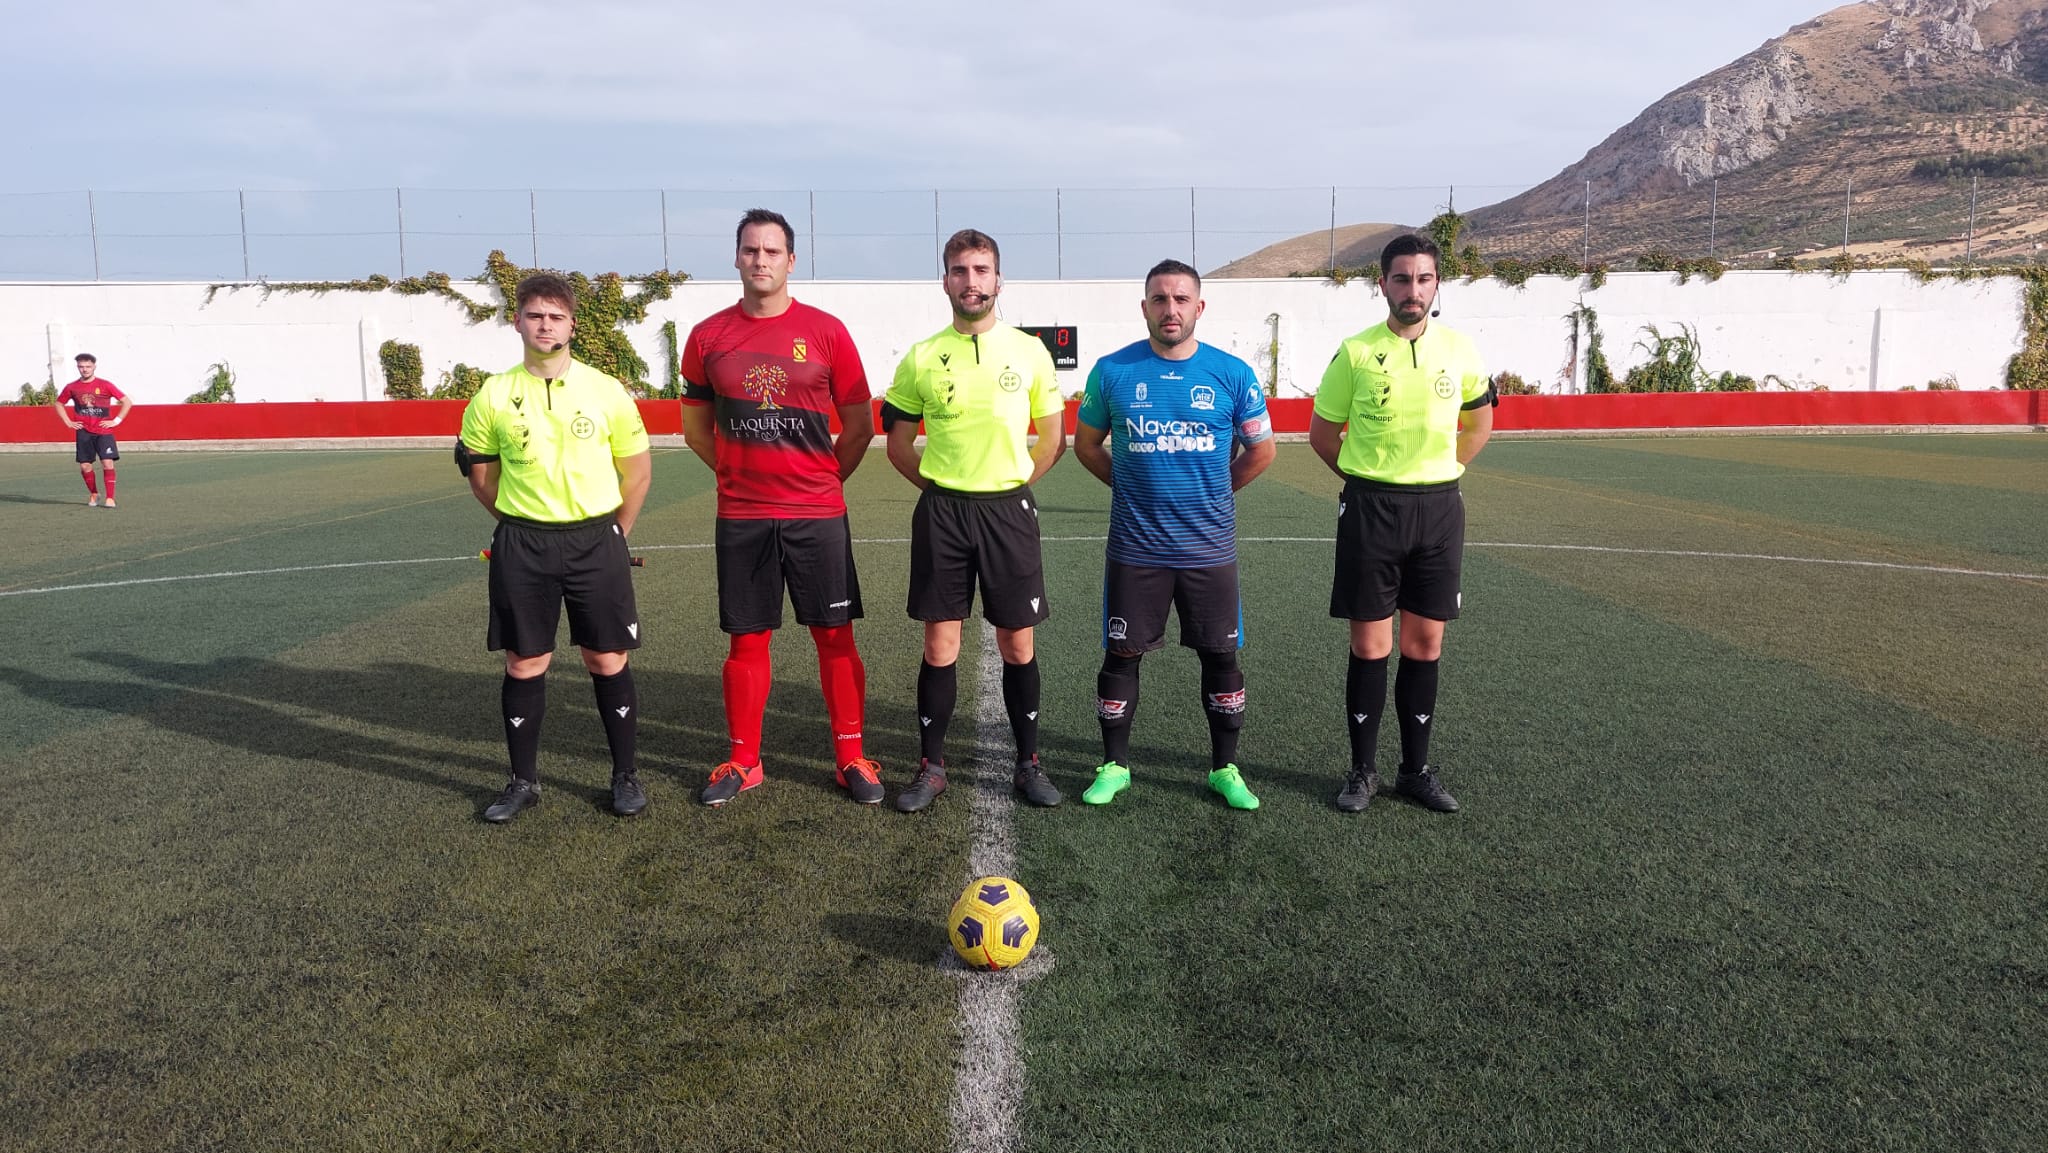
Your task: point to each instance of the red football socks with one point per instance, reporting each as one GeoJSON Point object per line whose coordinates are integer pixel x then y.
{"type": "Point", "coordinates": [845, 682]}
{"type": "Point", "coordinates": [747, 676]}
{"type": "Point", "coordinates": [92, 486]}
{"type": "Point", "coordinates": [110, 484]}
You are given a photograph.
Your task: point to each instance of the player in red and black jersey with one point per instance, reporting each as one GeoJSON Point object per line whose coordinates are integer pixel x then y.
{"type": "Point", "coordinates": [100, 407]}
{"type": "Point", "coordinates": [761, 381]}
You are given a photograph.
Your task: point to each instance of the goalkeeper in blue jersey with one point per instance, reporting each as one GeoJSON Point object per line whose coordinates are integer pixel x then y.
{"type": "Point", "coordinates": [1160, 424]}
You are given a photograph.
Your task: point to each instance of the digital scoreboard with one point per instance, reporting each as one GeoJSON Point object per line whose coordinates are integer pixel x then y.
{"type": "Point", "coordinates": [1059, 340]}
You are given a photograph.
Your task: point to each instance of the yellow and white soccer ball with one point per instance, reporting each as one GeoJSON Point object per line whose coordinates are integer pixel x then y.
{"type": "Point", "coordinates": [994, 924]}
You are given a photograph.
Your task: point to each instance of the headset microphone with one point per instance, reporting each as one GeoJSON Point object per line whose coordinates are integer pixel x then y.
{"type": "Point", "coordinates": [559, 346]}
{"type": "Point", "coordinates": [1436, 307]}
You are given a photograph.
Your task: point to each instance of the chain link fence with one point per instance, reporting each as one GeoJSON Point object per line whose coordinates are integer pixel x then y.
{"type": "Point", "coordinates": [1049, 234]}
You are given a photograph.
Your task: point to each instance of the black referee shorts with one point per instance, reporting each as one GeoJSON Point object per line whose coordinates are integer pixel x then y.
{"type": "Point", "coordinates": [1136, 599]}
{"type": "Point", "coordinates": [94, 446]}
{"type": "Point", "coordinates": [1398, 547]}
{"type": "Point", "coordinates": [813, 557]}
{"type": "Point", "coordinates": [536, 567]}
{"type": "Point", "coordinates": [959, 539]}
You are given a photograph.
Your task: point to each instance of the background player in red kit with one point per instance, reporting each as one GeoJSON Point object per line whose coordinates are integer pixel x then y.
{"type": "Point", "coordinates": [90, 397]}
{"type": "Point", "coordinates": [760, 380]}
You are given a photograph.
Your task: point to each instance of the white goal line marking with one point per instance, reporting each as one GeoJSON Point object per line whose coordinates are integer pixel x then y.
{"type": "Point", "coordinates": [1894, 566]}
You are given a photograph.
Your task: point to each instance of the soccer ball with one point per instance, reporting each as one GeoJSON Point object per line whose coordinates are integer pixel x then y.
{"type": "Point", "coordinates": [994, 924]}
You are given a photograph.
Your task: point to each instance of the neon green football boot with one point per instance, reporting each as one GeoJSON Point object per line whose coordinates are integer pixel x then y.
{"type": "Point", "coordinates": [1110, 780]}
{"type": "Point", "coordinates": [1228, 783]}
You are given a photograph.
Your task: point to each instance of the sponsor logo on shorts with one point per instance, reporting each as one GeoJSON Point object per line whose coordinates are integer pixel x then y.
{"type": "Point", "coordinates": [1034, 604]}
{"type": "Point", "coordinates": [634, 629]}
{"type": "Point", "coordinates": [1202, 397]}
{"type": "Point", "coordinates": [1230, 702]}
{"type": "Point", "coordinates": [840, 605]}
{"type": "Point", "coordinates": [1119, 629]}
{"type": "Point", "coordinates": [1110, 710]}
{"type": "Point", "coordinates": [622, 710]}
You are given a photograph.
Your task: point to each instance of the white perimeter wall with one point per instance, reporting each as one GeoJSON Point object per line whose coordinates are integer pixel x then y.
{"type": "Point", "coordinates": [1870, 330]}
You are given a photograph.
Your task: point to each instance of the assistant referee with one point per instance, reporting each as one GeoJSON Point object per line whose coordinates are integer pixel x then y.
{"type": "Point", "coordinates": [1402, 409]}
{"type": "Point", "coordinates": [556, 450]}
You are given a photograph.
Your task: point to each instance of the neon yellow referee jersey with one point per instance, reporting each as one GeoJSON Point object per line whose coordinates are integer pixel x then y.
{"type": "Point", "coordinates": [555, 441]}
{"type": "Point", "coordinates": [1402, 399]}
{"type": "Point", "coordinates": [978, 395]}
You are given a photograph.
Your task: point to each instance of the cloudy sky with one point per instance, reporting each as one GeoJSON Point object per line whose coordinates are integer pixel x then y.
{"type": "Point", "coordinates": [1494, 95]}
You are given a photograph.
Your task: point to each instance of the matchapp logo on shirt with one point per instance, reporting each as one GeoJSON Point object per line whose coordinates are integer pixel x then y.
{"type": "Point", "coordinates": [774, 383]}
{"type": "Point", "coordinates": [1172, 425]}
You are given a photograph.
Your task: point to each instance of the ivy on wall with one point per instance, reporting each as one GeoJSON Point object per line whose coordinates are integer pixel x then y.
{"type": "Point", "coordinates": [603, 305]}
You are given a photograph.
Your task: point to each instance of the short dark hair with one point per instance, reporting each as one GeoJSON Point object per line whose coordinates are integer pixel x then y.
{"type": "Point", "coordinates": [972, 240]}
{"type": "Point", "coordinates": [544, 286]}
{"type": "Point", "coordinates": [85, 356]}
{"type": "Point", "coordinates": [1410, 244]}
{"type": "Point", "coordinates": [763, 216]}
{"type": "Point", "coordinates": [1173, 268]}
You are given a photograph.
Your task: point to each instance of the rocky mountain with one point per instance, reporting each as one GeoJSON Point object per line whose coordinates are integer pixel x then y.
{"type": "Point", "coordinates": [1922, 124]}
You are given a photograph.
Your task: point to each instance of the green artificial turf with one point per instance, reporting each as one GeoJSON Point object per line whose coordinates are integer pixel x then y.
{"type": "Point", "coordinates": [1748, 857]}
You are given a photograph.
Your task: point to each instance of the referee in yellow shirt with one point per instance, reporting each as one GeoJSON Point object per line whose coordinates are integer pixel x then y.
{"type": "Point", "coordinates": [557, 452]}
{"type": "Point", "coordinates": [1402, 409]}
{"type": "Point", "coordinates": [980, 387]}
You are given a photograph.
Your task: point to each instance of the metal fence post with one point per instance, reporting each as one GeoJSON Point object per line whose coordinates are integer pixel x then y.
{"type": "Point", "coordinates": [533, 225]}
{"type": "Point", "coordinates": [1191, 227]}
{"type": "Point", "coordinates": [400, 194]}
{"type": "Point", "coordinates": [938, 245]}
{"type": "Point", "coordinates": [813, 195]}
{"type": "Point", "coordinates": [242, 203]}
{"type": "Point", "coordinates": [1059, 235]}
{"type": "Point", "coordinates": [1333, 228]}
{"type": "Point", "coordinates": [1970, 239]}
{"type": "Point", "coordinates": [1586, 229]}
{"type": "Point", "coordinates": [1848, 191]}
{"type": "Point", "coordinates": [1713, 216]}
{"type": "Point", "coordinates": [664, 230]}
{"type": "Point", "coordinates": [92, 215]}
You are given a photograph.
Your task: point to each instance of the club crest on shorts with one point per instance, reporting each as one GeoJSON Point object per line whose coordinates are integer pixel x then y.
{"type": "Point", "coordinates": [1119, 629]}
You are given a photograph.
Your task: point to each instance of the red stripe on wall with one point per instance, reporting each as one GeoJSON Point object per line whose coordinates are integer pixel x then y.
{"type": "Point", "coordinates": [382, 418]}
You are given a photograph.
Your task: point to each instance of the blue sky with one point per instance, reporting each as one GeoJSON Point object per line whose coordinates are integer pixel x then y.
{"type": "Point", "coordinates": [621, 94]}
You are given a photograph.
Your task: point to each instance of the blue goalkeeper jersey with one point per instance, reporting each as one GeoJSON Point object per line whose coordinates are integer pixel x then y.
{"type": "Point", "coordinates": [1172, 426]}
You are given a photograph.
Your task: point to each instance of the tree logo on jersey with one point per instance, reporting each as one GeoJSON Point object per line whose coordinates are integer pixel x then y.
{"type": "Point", "coordinates": [1202, 397]}
{"type": "Point", "coordinates": [1444, 387]}
{"type": "Point", "coordinates": [798, 350]}
{"type": "Point", "coordinates": [582, 428]}
{"type": "Point", "coordinates": [1010, 381]}
{"type": "Point", "coordinates": [763, 383]}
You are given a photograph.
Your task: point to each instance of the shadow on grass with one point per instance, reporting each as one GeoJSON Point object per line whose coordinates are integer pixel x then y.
{"type": "Point", "coordinates": [17, 498]}
{"type": "Point", "coordinates": [323, 715]}
{"type": "Point", "coordinates": [909, 939]}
